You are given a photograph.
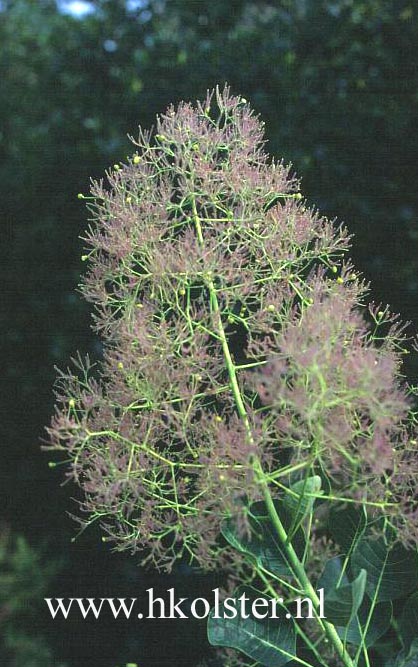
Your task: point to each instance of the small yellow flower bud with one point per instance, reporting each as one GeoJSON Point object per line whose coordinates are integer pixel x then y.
{"type": "Point", "coordinates": [298, 195]}
{"type": "Point", "coordinates": [231, 319]}
{"type": "Point", "coordinates": [71, 403]}
{"type": "Point", "coordinates": [195, 146]}
{"type": "Point", "coordinates": [80, 195]}
{"type": "Point", "coordinates": [128, 200]}
{"type": "Point", "coordinates": [271, 307]}
{"type": "Point", "coordinates": [222, 478]}
{"type": "Point", "coordinates": [136, 159]}
{"type": "Point", "coordinates": [218, 418]}
{"type": "Point", "coordinates": [84, 258]}
{"type": "Point", "coordinates": [334, 269]}
{"type": "Point", "coordinates": [340, 280]}
{"type": "Point", "coordinates": [182, 291]}
{"type": "Point", "coordinates": [380, 314]}
{"type": "Point", "coordinates": [120, 365]}
{"type": "Point", "coordinates": [116, 167]}
{"type": "Point", "coordinates": [51, 464]}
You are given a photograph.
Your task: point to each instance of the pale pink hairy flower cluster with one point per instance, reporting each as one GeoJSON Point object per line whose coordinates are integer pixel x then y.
{"type": "Point", "coordinates": [232, 331]}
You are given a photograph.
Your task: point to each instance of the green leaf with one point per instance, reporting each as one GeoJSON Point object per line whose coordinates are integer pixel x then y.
{"type": "Point", "coordinates": [342, 598]}
{"type": "Point", "coordinates": [263, 544]}
{"type": "Point", "coordinates": [392, 571]}
{"type": "Point", "coordinates": [299, 503]}
{"type": "Point", "coordinates": [378, 625]}
{"type": "Point", "coordinates": [270, 641]}
{"type": "Point", "coordinates": [346, 525]}
{"type": "Point", "coordinates": [408, 623]}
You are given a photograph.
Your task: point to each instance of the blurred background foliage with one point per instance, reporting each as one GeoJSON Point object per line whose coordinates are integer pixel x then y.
{"type": "Point", "coordinates": [336, 82]}
{"type": "Point", "coordinates": [24, 581]}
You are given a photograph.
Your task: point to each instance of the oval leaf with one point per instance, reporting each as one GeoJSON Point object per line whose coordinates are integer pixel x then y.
{"type": "Point", "coordinates": [342, 598]}
{"type": "Point", "coordinates": [263, 543]}
{"type": "Point", "coordinates": [392, 572]}
{"type": "Point", "coordinates": [346, 525]}
{"type": "Point", "coordinates": [299, 503]}
{"type": "Point", "coordinates": [379, 624]}
{"type": "Point", "coordinates": [270, 641]}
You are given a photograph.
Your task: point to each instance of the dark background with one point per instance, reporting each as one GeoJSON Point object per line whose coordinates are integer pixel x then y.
{"type": "Point", "coordinates": [336, 82]}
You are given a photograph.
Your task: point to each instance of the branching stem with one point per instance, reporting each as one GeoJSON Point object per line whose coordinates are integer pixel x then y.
{"type": "Point", "coordinates": [292, 558]}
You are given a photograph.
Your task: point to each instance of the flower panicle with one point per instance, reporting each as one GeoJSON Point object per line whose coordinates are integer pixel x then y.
{"type": "Point", "coordinates": [232, 327]}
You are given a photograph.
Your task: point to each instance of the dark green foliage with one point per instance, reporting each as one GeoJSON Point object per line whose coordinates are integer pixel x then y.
{"type": "Point", "coordinates": [269, 641]}
{"type": "Point", "coordinates": [392, 571]}
{"type": "Point", "coordinates": [364, 620]}
{"type": "Point", "coordinates": [24, 581]}
{"type": "Point", "coordinates": [342, 597]}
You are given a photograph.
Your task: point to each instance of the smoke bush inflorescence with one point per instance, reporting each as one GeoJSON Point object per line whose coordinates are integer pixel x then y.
{"type": "Point", "coordinates": [237, 348]}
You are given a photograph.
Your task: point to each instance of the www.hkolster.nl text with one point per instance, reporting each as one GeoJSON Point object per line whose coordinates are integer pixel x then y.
{"type": "Point", "coordinates": [173, 607]}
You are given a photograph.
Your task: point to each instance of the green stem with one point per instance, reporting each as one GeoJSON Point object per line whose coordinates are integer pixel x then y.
{"type": "Point", "coordinates": [297, 567]}
{"type": "Point", "coordinates": [302, 577]}
{"type": "Point", "coordinates": [299, 630]}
